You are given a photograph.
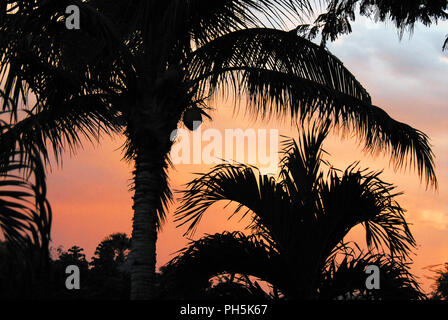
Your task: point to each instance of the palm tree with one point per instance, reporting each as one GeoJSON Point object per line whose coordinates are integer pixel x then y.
{"type": "Point", "coordinates": [109, 277]}
{"type": "Point", "coordinates": [299, 222]}
{"type": "Point", "coordinates": [140, 67]}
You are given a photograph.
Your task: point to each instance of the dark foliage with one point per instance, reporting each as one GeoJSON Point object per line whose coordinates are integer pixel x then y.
{"type": "Point", "coordinates": [105, 277]}
{"type": "Point", "coordinates": [441, 285]}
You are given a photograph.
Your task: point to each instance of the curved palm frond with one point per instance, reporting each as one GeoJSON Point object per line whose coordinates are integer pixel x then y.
{"type": "Point", "coordinates": [58, 127]}
{"type": "Point", "coordinates": [255, 194]}
{"type": "Point", "coordinates": [280, 73]}
{"type": "Point", "coordinates": [39, 57]}
{"type": "Point", "coordinates": [361, 197]}
{"type": "Point", "coordinates": [346, 279]}
{"type": "Point", "coordinates": [39, 54]}
{"type": "Point", "coordinates": [25, 214]}
{"type": "Point", "coordinates": [189, 272]}
{"type": "Point", "coordinates": [238, 287]}
{"type": "Point", "coordinates": [206, 20]}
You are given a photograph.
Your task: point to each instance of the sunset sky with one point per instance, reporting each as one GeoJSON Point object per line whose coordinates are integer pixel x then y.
{"type": "Point", "coordinates": [407, 78]}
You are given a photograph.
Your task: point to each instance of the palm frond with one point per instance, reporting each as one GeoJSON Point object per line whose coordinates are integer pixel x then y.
{"type": "Point", "coordinates": [346, 279]}
{"type": "Point", "coordinates": [25, 214]}
{"type": "Point", "coordinates": [206, 20]}
{"type": "Point", "coordinates": [361, 197]}
{"type": "Point", "coordinates": [39, 54]}
{"type": "Point", "coordinates": [271, 50]}
{"type": "Point", "coordinates": [57, 69]}
{"type": "Point", "coordinates": [253, 193]}
{"type": "Point", "coordinates": [217, 185]}
{"type": "Point", "coordinates": [281, 73]}
{"type": "Point", "coordinates": [237, 287]}
{"type": "Point", "coordinates": [190, 271]}
{"type": "Point", "coordinates": [58, 127]}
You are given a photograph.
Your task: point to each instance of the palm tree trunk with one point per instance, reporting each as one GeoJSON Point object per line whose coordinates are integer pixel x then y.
{"type": "Point", "coordinates": [144, 233]}
{"type": "Point", "coordinates": [150, 132]}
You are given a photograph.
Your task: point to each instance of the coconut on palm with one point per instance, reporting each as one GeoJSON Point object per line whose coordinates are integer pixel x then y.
{"type": "Point", "coordinates": [192, 118]}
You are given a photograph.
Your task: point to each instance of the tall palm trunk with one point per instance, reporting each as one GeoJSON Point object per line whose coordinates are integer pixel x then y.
{"type": "Point", "coordinates": [150, 130]}
{"type": "Point", "coordinates": [144, 233]}
{"type": "Point", "coordinates": [151, 187]}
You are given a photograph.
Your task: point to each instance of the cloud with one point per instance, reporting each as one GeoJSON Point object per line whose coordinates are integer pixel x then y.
{"type": "Point", "coordinates": [438, 220]}
{"type": "Point", "coordinates": [411, 73]}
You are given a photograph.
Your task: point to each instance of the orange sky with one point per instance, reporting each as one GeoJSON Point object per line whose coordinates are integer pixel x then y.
{"type": "Point", "coordinates": [90, 197]}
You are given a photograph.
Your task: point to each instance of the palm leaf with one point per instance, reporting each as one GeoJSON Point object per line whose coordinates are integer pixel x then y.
{"type": "Point", "coordinates": [25, 214]}
{"type": "Point", "coordinates": [254, 194]}
{"type": "Point", "coordinates": [189, 272]}
{"type": "Point", "coordinates": [346, 279]}
{"type": "Point", "coordinates": [281, 73]}
{"type": "Point", "coordinates": [207, 20]}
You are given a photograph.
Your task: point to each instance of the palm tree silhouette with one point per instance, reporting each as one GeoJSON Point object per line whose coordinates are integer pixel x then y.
{"type": "Point", "coordinates": [299, 222]}
{"type": "Point", "coordinates": [111, 253]}
{"type": "Point", "coordinates": [141, 67]}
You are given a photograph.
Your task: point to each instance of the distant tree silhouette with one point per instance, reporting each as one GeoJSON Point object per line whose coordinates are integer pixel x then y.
{"type": "Point", "coordinates": [73, 256]}
{"type": "Point", "coordinates": [110, 270]}
{"type": "Point", "coordinates": [111, 254]}
{"type": "Point", "coordinates": [106, 276]}
{"type": "Point", "coordinates": [56, 276]}
{"type": "Point", "coordinates": [140, 68]}
{"type": "Point", "coordinates": [299, 222]}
